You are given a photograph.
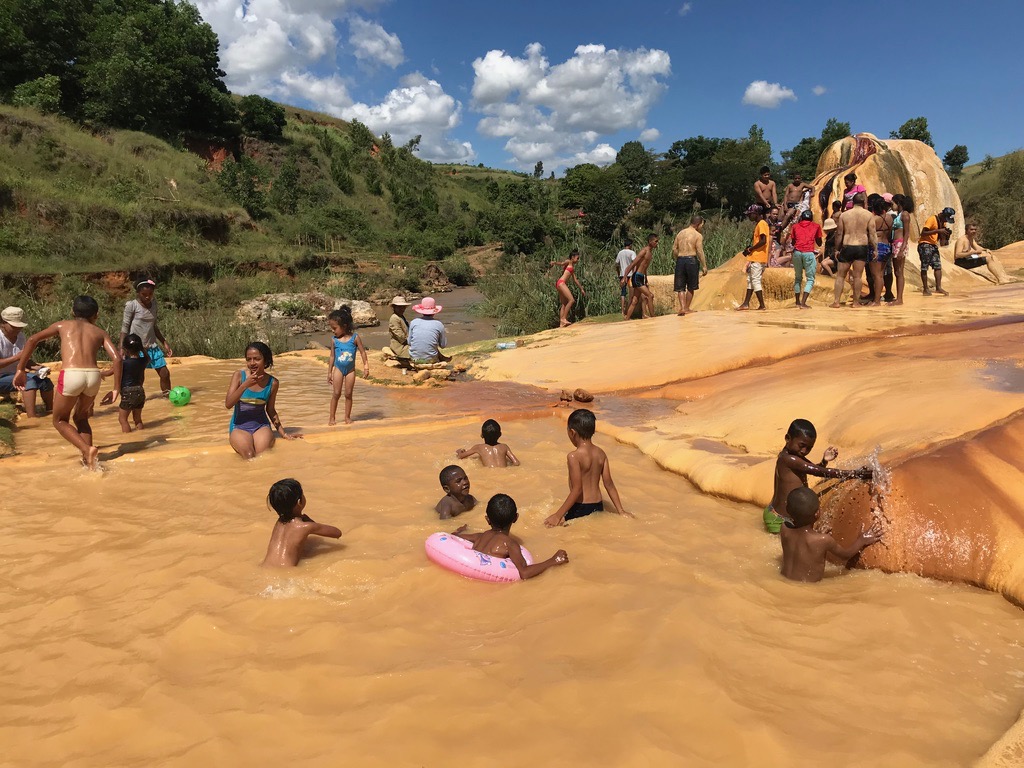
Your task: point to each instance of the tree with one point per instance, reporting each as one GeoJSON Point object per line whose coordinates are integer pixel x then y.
{"type": "Point", "coordinates": [538, 169]}
{"type": "Point", "coordinates": [916, 128]}
{"type": "Point", "coordinates": [362, 137]}
{"type": "Point", "coordinates": [803, 158]}
{"type": "Point", "coordinates": [988, 163]}
{"type": "Point", "coordinates": [261, 118]}
{"type": "Point", "coordinates": [42, 93]}
{"type": "Point", "coordinates": [637, 166]}
{"type": "Point", "coordinates": [284, 194]}
{"type": "Point", "coordinates": [955, 160]}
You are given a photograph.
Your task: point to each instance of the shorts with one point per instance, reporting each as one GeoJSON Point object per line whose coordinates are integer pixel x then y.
{"type": "Point", "coordinates": [852, 253]}
{"type": "Point", "coordinates": [755, 269]}
{"type": "Point", "coordinates": [792, 205]}
{"type": "Point", "coordinates": [773, 521]}
{"type": "Point", "coordinates": [581, 509]}
{"type": "Point", "coordinates": [639, 280]}
{"type": "Point", "coordinates": [73, 382]}
{"type": "Point", "coordinates": [32, 381]}
{"type": "Point", "coordinates": [687, 274]}
{"type": "Point", "coordinates": [884, 253]}
{"type": "Point", "coordinates": [929, 255]}
{"type": "Point", "coordinates": [132, 398]}
{"type": "Point", "coordinates": [156, 358]}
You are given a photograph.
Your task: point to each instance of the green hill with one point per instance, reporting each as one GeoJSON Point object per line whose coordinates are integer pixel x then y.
{"type": "Point", "coordinates": [992, 193]}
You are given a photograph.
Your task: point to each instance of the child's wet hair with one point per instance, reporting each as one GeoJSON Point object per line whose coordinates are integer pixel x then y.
{"type": "Point", "coordinates": [583, 423]}
{"type": "Point", "coordinates": [265, 353]}
{"type": "Point", "coordinates": [802, 427]}
{"type": "Point", "coordinates": [133, 345]}
{"type": "Point", "coordinates": [85, 307]}
{"type": "Point", "coordinates": [491, 432]}
{"type": "Point", "coordinates": [447, 474]}
{"type": "Point", "coordinates": [502, 511]}
{"type": "Point", "coordinates": [343, 317]}
{"type": "Point", "coordinates": [283, 496]}
{"type": "Point", "coordinates": [802, 505]}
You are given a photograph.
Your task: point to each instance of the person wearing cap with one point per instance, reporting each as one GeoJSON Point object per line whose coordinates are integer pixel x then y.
{"type": "Point", "coordinates": [398, 327]}
{"type": "Point", "coordinates": [12, 342]}
{"type": "Point", "coordinates": [806, 237]}
{"type": "Point", "coordinates": [928, 248]}
{"type": "Point", "coordinates": [426, 335]}
{"type": "Point", "coordinates": [140, 318]}
{"type": "Point", "coordinates": [757, 257]}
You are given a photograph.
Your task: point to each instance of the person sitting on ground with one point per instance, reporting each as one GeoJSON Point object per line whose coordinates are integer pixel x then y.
{"type": "Point", "coordinates": [765, 193]}
{"type": "Point", "coordinates": [928, 248]}
{"type": "Point", "coordinates": [792, 469]}
{"type": "Point", "coordinates": [636, 272]}
{"type": "Point", "coordinates": [622, 261]}
{"type": "Point", "coordinates": [796, 198]}
{"type": "Point", "coordinates": [804, 550]}
{"type": "Point", "coordinates": [457, 499]}
{"type": "Point", "coordinates": [79, 380]}
{"type": "Point", "coordinates": [12, 343]}
{"type": "Point", "coordinates": [588, 468]}
{"type": "Point", "coordinates": [855, 245]}
{"type": "Point", "coordinates": [140, 318]}
{"type": "Point", "coordinates": [806, 238]}
{"type": "Point", "coordinates": [491, 452]}
{"type": "Point", "coordinates": [398, 329]}
{"type": "Point", "coordinates": [757, 257]}
{"type": "Point", "coordinates": [778, 257]}
{"type": "Point", "coordinates": [688, 248]}
{"type": "Point", "coordinates": [969, 253]}
{"type": "Point", "coordinates": [502, 513]}
{"type": "Point", "coordinates": [292, 527]}
{"type": "Point", "coordinates": [427, 336]}
{"type": "Point", "coordinates": [252, 398]}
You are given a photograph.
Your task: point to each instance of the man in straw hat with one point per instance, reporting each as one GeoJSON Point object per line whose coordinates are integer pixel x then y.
{"type": "Point", "coordinates": [398, 327]}
{"type": "Point", "coordinates": [426, 335]}
{"type": "Point", "coordinates": [12, 342]}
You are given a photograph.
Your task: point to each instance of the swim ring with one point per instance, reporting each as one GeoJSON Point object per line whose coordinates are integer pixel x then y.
{"type": "Point", "coordinates": [458, 555]}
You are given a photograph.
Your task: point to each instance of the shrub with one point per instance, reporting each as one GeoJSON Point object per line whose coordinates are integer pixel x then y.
{"type": "Point", "coordinates": [43, 94]}
{"type": "Point", "coordinates": [261, 117]}
{"type": "Point", "coordinates": [459, 270]}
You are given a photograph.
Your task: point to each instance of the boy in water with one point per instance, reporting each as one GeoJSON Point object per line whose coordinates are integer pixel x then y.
{"type": "Point", "coordinates": [455, 484]}
{"type": "Point", "coordinates": [588, 467]}
{"type": "Point", "coordinates": [792, 469]}
{"type": "Point", "coordinates": [498, 542]}
{"type": "Point", "coordinates": [79, 380]}
{"type": "Point", "coordinates": [491, 452]}
{"type": "Point", "coordinates": [292, 527]}
{"type": "Point", "coordinates": [804, 549]}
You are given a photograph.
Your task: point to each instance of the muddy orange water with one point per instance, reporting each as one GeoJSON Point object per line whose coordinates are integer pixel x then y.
{"type": "Point", "coordinates": [140, 631]}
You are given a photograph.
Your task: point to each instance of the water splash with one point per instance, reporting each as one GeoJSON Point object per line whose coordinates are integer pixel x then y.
{"type": "Point", "coordinates": [880, 487]}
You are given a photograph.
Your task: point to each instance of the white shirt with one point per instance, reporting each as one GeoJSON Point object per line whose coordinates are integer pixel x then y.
{"type": "Point", "coordinates": [9, 348]}
{"type": "Point", "coordinates": [624, 259]}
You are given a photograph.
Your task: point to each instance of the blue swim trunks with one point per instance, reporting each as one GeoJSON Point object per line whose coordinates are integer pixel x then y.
{"type": "Point", "coordinates": [156, 358]}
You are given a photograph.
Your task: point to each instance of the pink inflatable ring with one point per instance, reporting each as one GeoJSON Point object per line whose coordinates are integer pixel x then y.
{"type": "Point", "coordinates": [458, 555]}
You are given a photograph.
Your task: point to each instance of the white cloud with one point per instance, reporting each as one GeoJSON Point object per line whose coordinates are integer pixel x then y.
{"type": "Point", "coordinates": [686, 8]}
{"type": "Point", "coordinates": [819, 90]}
{"type": "Point", "coordinates": [419, 106]}
{"type": "Point", "coordinates": [557, 113]}
{"type": "Point", "coordinates": [372, 44]}
{"type": "Point", "coordinates": [329, 94]}
{"type": "Point", "coordinates": [650, 134]}
{"type": "Point", "coordinates": [602, 154]}
{"type": "Point", "coordinates": [761, 93]}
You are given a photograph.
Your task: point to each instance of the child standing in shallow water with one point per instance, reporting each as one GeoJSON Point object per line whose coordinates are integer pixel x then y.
{"type": "Point", "coordinates": [342, 373]}
{"type": "Point", "coordinates": [133, 373]}
{"type": "Point", "coordinates": [292, 527]}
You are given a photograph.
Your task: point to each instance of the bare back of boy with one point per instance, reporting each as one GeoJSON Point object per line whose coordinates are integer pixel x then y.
{"type": "Point", "coordinates": [492, 456]}
{"type": "Point", "coordinates": [287, 540]}
{"type": "Point", "coordinates": [588, 468]}
{"type": "Point", "coordinates": [805, 550]}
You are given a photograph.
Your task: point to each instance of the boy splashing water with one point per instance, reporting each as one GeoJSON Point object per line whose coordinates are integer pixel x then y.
{"type": "Point", "coordinates": [79, 380]}
{"type": "Point", "coordinates": [292, 527]}
{"type": "Point", "coordinates": [491, 452]}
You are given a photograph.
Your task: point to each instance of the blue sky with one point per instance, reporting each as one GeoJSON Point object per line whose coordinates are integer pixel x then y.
{"type": "Point", "coordinates": [507, 84]}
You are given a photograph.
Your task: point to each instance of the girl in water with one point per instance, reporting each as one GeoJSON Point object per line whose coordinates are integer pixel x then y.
{"type": "Point", "coordinates": [253, 394]}
{"type": "Point", "coordinates": [343, 358]}
{"type": "Point", "coordinates": [900, 240]}
{"type": "Point", "coordinates": [565, 298]}
{"type": "Point", "coordinates": [133, 374]}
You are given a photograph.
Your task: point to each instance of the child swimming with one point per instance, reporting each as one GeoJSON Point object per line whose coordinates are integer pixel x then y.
{"type": "Point", "coordinates": [792, 469]}
{"type": "Point", "coordinates": [455, 484]}
{"type": "Point", "coordinates": [252, 394]}
{"type": "Point", "coordinates": [292, 527]}
{"type": "Point", "coordinates": [491, 452]}
{"type": "Point", "coordinates": [588, 467]}
{"type": "Point", "coordinates": [498, 542]}
{"type": "Point", "coordinates": [133, 373]}
{"type": "Point", "coordinates": [342, 371]}
{"type": "Point", "coordinates": [803, 549]}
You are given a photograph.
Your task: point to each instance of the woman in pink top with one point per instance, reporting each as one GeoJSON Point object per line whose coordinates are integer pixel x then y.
{"type": "Point", "coordinates": [852, 188]}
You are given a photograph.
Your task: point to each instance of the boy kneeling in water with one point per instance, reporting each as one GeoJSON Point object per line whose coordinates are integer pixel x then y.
{"type": "Point", "coordinates": [292, 527]}
{"type": "Point", "coordinates": [804, 549]}
{"type": "Point", "coordinates": [498, 542]}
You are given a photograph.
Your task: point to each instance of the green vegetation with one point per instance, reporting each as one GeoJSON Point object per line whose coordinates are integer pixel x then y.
{"type": "Point", "coordinates": [992, 193]}
{"type": "Point", "coordinates": [916, 128]}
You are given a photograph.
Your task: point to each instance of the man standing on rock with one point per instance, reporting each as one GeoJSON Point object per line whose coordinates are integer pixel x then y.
{"type": "Point", "coordinates": [856, 243]}
{"type": "Point", "coordinates": [398, 328]}
{"type": "Point", "coordinates": [622, 260]}
{"type": "Point", "coordinates": [688, 247]}
{"type": "Point", "coordinates": [928, 248]}
{"type": "Point", "coordinates": [140, 318]}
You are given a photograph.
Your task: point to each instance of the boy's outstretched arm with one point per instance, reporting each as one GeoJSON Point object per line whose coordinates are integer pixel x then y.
{"type": "Point", "coordinates": [800, 464]}
{"type": "Point", "coordinates": [865, 539]}
{"type": "Point", "coordinates": [515, 554]}
{"type": "Point", "coordinates": [613, 492]}
{"type": "Point", "coordinates": [320, 529]}
{"type": "Point", "coordinates": [465, 453]}
{"type": "Point", "coordinates": [511, 457]}
{"type": "Point", "coordinates": [575, 492]}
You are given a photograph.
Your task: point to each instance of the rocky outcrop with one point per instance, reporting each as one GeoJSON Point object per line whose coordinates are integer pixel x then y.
{"type": "Point", "coordinates": [303, 312]}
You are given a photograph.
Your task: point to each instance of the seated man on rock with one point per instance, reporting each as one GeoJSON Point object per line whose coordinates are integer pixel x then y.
{"type": "Point", "coordinates": [969, 254]}
{"type": "Point", "coordinates": [426, 335]}
{"type": "Point", "coordinates": [12, 342]}
{"type": "Point", "coordinates": [398, 330]}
